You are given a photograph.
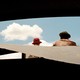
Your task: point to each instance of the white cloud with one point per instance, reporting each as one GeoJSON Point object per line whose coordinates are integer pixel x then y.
{"type": "Point", "coordinates": [16, 31]}
{"type": "Point", "coordinates": [44, 43]}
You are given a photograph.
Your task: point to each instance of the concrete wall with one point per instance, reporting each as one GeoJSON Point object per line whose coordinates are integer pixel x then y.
{"type": "Point", "coordinates": [69, 54]}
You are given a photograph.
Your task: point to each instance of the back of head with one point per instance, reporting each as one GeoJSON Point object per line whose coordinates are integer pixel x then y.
{"type": "Point", "coordinates": [36, 41]}
{"type": "Point", "coordinates": [64, 35]}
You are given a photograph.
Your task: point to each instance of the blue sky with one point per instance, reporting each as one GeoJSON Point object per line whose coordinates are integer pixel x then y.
{"type": "Point", "coordinates": [48, 27]}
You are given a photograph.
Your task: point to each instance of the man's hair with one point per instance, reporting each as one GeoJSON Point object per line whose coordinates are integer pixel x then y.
{"type": "Point", "coordinates": [64, 35]}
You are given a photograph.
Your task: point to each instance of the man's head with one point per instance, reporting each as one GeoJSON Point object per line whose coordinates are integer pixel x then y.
{"type": "Point", "coordinates": [64, 35]}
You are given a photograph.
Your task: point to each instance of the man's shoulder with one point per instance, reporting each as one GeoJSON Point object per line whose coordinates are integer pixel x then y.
{"type": "Point", "coordinates": [57, 42]}
{"type": "Point", "coordinates": [73, 43]}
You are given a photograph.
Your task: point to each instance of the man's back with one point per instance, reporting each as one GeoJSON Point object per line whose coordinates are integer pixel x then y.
{"type": "Point", "coordinates": [64, 42]}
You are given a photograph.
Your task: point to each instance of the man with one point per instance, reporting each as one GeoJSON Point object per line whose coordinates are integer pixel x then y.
{"type": "Point", "coordinates": [64, 40]}
{"type": "Point", "coordinates": [36, 41]}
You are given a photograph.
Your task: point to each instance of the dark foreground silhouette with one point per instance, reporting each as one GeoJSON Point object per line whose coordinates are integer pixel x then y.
{"type": "Point", "coordinates": [33, 66]}
{"type": "Point", "coordinates": [36, 63]}
{"type": "Point", "coordinates": [6, 51]}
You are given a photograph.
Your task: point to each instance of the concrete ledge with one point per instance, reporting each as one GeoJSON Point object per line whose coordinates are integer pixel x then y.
{"type": "Point", "coordinates": [69, 54]}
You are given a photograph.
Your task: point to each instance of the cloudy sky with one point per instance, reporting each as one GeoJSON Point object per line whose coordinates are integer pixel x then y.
{"type": "Point", "coordinates": [23, 31]}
